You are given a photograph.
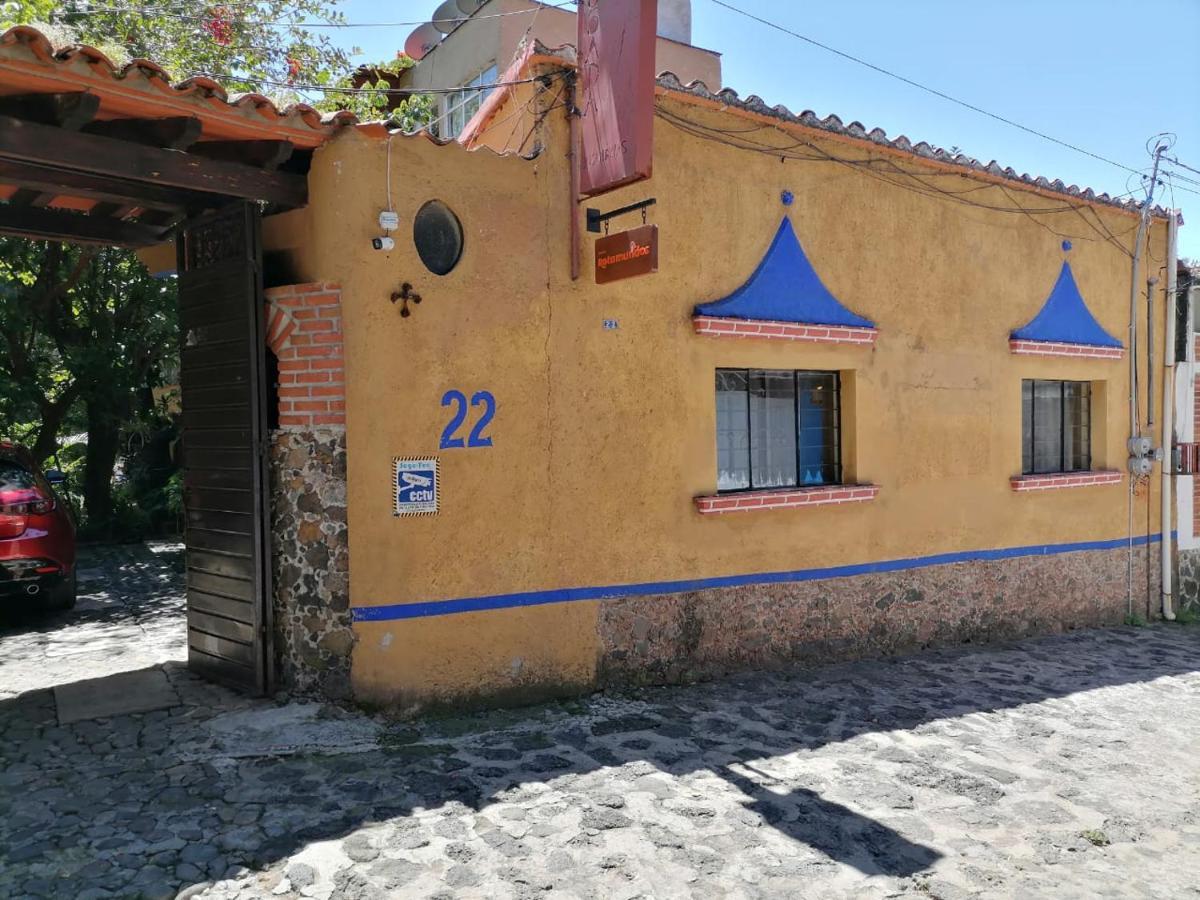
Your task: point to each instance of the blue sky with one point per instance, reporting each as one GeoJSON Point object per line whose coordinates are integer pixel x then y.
{"type": "Point", "coordinates": [1069, 68]}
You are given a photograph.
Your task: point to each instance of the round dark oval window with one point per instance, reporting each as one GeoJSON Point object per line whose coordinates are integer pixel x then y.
{"type": "Point", "coordinates": [438, 236]}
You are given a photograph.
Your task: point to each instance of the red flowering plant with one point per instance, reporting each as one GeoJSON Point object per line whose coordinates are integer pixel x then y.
{"type": "Point", "coordinates": [248, 45]}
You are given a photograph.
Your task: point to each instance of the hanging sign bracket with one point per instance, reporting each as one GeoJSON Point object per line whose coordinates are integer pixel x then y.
{"type": "Point", "coordinates": [595, 218]}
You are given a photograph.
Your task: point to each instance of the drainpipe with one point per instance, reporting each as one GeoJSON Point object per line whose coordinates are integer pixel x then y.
{"type": "Point", "coordinates": [1168, 436]}
{"type": "Point", "coordinates": [575, 142]}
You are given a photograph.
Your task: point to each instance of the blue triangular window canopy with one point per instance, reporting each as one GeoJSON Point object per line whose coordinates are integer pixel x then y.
{"type": "Point", "coordinates": [784, 288]}
{"type": "Point", "coordinates": [1065, 317]}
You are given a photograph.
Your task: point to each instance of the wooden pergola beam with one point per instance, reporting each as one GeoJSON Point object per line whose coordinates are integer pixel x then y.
{"type": "Point", "coordinates": [112, 210]}
{"type": "Point", "coordinates": [24, 141]}
{"type": "Point", "coordinates": [268, 155]}
{"type": "Point", "coordinates": [61, 182]}
{"type": "Point", "coordinates": [173, 133]}
{"type": "Point", "coordinates": [30, 196]}
{"type": "Point", "coordinates": [70, 111]}
{"type": "Point", "coordinates": [56, 225]}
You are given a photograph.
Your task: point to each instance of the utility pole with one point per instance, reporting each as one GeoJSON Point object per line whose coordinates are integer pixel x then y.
{"type": "Point", "coordinates": [1140, 455]}
{"type": "Point", "coordinates": [1135, 427]}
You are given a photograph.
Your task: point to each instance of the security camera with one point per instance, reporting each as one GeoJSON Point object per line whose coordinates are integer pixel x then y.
{"type": "Point", "coordinates": [383, 243]}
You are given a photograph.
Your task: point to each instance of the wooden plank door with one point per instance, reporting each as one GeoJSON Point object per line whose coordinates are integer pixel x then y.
{"type": "Point", "coordinates": [223, 399]}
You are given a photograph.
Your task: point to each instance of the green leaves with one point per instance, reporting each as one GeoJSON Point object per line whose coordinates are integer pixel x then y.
{"type": "Point", "coordinates": [258, 46]}
{"type": "Point", "coordinates": [262, 47]}
{"type": "Point", "coordinates": [369, 94]}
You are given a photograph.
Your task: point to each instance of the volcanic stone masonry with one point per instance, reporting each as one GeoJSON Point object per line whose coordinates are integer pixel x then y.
{"type": "Point", "coordinates": [709, 633]}
{"type": "Point", "coordinates": [310, 561]}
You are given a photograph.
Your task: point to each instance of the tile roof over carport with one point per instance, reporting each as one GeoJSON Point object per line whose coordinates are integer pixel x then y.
{"type": "Point", "coordinates": [93, 152]}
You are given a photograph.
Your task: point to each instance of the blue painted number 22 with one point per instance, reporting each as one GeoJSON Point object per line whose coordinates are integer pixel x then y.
{"type": "Point", "coordinates": [458, 400]}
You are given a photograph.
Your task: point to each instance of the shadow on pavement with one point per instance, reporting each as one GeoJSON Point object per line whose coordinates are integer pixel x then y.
{"type": "Point", "coordinates": [130, 613]}
{"type": "Point", "coordinates": [149, 803]}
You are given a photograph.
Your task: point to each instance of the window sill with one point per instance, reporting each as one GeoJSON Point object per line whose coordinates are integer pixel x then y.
{"type": "Point", "coordinates": [786, 498]}
{"type": "Point", "coordinates": [1070, 351]}
{"type": "Point", "coordinates": [1059, 480]}
{"type": "Point", "coordinates": [718, 326]}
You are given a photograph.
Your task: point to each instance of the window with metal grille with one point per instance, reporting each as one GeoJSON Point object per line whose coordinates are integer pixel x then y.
{"type": "Point", "coordinates": [1056, 426]}
{"type": "Point", "coordinates": [777, 428]}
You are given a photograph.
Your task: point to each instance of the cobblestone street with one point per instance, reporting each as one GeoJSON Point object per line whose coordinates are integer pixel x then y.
{"type": "Point", "coordinates": [1062, 767]}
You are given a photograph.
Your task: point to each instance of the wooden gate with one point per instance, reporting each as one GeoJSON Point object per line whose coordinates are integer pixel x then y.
{"type": "Point", "coordinates": [223, 385]}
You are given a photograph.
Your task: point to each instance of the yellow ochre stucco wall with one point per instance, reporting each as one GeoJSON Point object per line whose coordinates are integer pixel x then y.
{"type": "Point", "coordinates": [602, 437]}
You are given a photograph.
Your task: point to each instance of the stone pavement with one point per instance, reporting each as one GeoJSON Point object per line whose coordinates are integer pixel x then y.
{"type": "Point", "coordinates": [1062, 767]}
{"type": "Point", "coordinates": [130, 614]}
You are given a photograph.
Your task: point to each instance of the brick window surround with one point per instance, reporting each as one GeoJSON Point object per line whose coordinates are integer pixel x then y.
{"type": "Point", "coordinates": [1058, 480]}
{"type": "Point", "coordinates": [304, 330]}
{"type": "Point", "coordinates": [1057, 348]}
{"type": "Point", "coordinates": [786, 498]}
{"type": "Point", "coordinates": [718, 326]}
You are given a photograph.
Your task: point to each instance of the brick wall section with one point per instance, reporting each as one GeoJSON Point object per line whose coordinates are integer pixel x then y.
{"type": "Point", "coordinates": [1055, 348]}
{"type": "Point", "coordinates": [304, 329]}
{"type": "Point", "coordinates": [775, 499]}
{"type": "Point", "coordinates": [1059, 480]}
{"type": "Point", "coordinates": [718, 326]}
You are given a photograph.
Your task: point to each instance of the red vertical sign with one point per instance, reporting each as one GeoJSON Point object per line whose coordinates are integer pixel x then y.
{"type": "Point", "coordinates": [616, 76]}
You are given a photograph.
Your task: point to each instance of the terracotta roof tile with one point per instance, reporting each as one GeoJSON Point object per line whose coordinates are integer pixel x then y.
{"type": "Point", "coordinates": [27, 54]}
{"type": "Point", "coordinates": [831, 123]}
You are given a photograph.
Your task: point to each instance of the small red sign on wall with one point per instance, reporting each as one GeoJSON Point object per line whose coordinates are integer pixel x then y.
{"type": "Point", "coordinates": [616, 77]}
{"type": "Point", "coordinates": [627, 254]}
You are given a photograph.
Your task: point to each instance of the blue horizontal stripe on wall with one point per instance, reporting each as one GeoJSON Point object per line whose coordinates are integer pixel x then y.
{"type": "Point", "coordinates": [424, 609]}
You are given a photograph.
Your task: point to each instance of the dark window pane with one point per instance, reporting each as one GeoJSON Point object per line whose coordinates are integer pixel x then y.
{"type": "Point", "coordinates": [1047, 426]}
{"type": "Point", "coordinates": [733, 431]}
{"type": "Point", "coordinates": [1026, 426]}
{"type": "Point", "coordinates": [1077, 426]}
{"type": "Point", "coordinates": [817, 433]}
{"type": "Point", "coordinates": [772, 428]}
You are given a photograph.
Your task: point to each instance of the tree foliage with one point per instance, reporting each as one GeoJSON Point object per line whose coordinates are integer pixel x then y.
{"type": "Point", "coordinates": [85, 333]}
{"type": "Point", "coordinates": [366, 93]}
{"type": "Point", "coordinates": [260, 46]}
{"type": "Point", "coordinates": [85, 336]}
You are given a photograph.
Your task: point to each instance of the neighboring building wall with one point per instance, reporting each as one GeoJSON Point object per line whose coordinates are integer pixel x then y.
{"type": "Point", "coordinates": [571, 552]}
{"type": "Point", "coordinates": [1188, 505]}
{"type": "Point", "coordinates": [498, 29]}
{"type": "Point", "coordinates": [310, 549]}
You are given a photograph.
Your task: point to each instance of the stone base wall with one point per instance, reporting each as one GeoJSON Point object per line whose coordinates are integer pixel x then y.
{"type": "Point", "coordinates": [1187, 580]}
{"type": "Point", "coordinates": [708, 633]}
{"type": "Point", "coordinates": [310, 561]}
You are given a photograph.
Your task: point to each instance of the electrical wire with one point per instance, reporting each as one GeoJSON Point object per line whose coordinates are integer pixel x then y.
{"type": "Point", "coordinates": [915, 183]}
{"type": "Point", "coordinates": [1175, 162]}
{"type": "Point", "coordinates": [298, 86]}
{"type": "Point", "coordinates": [746, 143]}
{"type": "Point", "coordinates": [1186, 180]}
{"type": "Point", "coordinates": [929, 90]}
{"type": "Point", "coordinates": [699, 130]}
{"type": "Point", "coordinates": [522, 110]}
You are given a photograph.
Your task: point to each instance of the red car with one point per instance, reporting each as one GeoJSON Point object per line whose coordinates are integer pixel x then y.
{"type": "Point", "coordinates": [37, 533]}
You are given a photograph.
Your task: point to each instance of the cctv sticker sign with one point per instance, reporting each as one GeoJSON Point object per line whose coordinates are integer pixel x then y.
{"type": "Point", "coordinates": [415, 484]}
